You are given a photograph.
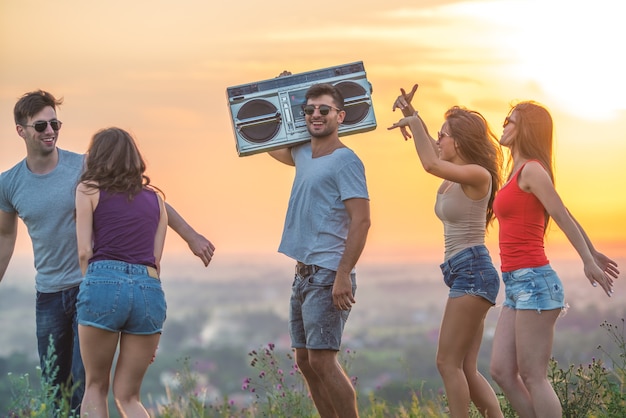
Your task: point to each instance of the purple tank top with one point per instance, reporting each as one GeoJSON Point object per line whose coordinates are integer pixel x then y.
{"type": "Point", "coordinates": [123, 229]}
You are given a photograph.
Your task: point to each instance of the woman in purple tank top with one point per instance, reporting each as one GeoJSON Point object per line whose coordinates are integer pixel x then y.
{"type": "Point", "coordinates": [120, 223]}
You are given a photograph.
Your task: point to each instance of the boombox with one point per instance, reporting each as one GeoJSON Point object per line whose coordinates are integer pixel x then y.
{"type": "Point", "coordinates": [268, 115]}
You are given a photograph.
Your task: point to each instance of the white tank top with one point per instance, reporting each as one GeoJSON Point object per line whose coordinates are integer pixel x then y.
{"type": "Point", "coordinates": [464, 219]}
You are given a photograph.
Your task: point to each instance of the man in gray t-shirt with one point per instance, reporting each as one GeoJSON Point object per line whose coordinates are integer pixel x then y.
{"type": "Point", "coordinates": [325, 231]}
{"type": "Point", "coordinates": [40, 190]}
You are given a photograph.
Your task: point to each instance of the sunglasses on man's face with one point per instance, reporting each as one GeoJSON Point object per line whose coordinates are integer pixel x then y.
{"type": "Point", "coordinates": [324, 109]}
{"type": "Point", "coordinates": [41, 125]}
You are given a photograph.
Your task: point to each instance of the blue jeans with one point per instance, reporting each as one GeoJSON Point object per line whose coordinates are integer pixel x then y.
{"type": "Point", "coordinates": [121, 297]}
{"type": "Point", "coordinates": [471, 272]}
{"type": "Point", "coordinates": [536, 288]}
{"type": "Point", "coordinates": [314, 322]}
{"type": "Point", "coordinates": [56, 320]}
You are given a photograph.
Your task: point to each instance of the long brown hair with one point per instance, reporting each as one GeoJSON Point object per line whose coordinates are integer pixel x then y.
{"type": "Point", "coordinates": [114, 164]}
{"type": "Point", "coordinates": [534, 138]}
{"type": "Point", "coordinates": [477, 144]}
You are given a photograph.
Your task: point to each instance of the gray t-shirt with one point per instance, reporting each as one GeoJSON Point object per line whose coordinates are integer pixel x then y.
{"type": "Point", "coordinates": [316, 225]}
{"type": "Point", "coordinates": [46, 205]}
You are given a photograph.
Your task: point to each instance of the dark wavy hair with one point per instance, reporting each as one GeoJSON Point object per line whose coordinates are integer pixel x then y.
{"type": "Point", "coordinates": [321, 89]}
{"type": "Point", "coordinates": [114, 164]}
{"type": "Point", "coordinates": [477, 144]}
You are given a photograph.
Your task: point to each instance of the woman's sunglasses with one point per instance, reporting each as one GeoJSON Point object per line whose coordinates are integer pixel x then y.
{"type": "Point", "coordinates": [41, 125]}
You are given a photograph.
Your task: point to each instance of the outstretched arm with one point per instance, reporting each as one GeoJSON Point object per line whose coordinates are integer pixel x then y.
{"type": "Point", "coordinates": [535, 179]}
{"type": "Point", "coordinates": [198, 244]}
{"type": "Point", "coordinates": [608, 265]}
{"type": "Point", "coordinates": [8, 235]}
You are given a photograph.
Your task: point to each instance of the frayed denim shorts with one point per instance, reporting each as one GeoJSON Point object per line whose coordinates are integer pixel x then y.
{"type": "Point", "coordinates": [471, 272]}
{"type": "Point", "coordinates": [314, 322]}
{"type": "Point", "coordinates": [537, 288]}
{"type": "Point", "coordinates": [121, 297]}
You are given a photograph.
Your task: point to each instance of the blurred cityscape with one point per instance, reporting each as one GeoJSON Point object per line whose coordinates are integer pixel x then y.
{"type": "Point", "coordinates": [214, 322]}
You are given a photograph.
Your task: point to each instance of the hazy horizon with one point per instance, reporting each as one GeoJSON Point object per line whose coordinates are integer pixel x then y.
{"type": "Point", "coordinates": [163, 77]}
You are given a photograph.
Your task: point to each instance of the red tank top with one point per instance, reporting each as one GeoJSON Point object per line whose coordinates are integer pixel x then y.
{"type": "Point", "coordinates": [521, 217]}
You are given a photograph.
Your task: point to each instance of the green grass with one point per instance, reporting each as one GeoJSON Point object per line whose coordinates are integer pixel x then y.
{"type": "Point", "coordinates": [277, 389]}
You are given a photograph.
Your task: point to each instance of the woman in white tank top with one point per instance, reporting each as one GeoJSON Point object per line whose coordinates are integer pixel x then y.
{"type": "Point", "coordinates": [468, 159]}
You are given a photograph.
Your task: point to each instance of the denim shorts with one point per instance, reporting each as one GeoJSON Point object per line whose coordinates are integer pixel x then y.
{"type": "Point", "coordinates": [537, 288]}
{"type": "Point", "coordinates": [471, 272]}
{"type": "Point", "coordinates": [314, 322]}
{"type": "Point", "coordinates": [121, 297]}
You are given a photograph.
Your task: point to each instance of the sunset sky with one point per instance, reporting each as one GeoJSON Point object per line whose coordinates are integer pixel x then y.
{"type": "Point", "coordinates": [160, 69]}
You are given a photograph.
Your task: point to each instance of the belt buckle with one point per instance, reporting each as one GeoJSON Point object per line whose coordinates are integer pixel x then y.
{"type": "Point", "coordinates": [306, 270]}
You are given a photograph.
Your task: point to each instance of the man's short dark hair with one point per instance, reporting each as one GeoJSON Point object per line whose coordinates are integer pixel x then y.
{"type": "Point", "coordinates": [321, 89]}
{"type": "Point", "coordinates": [32, 103]}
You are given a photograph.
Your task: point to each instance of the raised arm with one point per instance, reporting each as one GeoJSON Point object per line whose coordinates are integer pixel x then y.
{"type": "Point", "coordinates": [471, 175]}
{"type": "Point", "coordinates": [8, 235]}
{"type": "Point", "coordinates": [199, 245]}
{"type": "Point", "coordinates": [283, 155]}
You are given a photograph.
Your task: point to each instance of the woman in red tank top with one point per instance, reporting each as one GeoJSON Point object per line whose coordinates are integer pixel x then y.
{"type": "Point", "coordinates": [534, 294]}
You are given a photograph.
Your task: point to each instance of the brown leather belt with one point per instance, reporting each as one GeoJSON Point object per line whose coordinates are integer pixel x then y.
{"type": "Point", "coordinates": [306, 270]}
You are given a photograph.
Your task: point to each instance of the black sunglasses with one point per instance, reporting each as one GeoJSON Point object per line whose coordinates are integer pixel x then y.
{"type": "Point", "coordinates": [324, 109]}
{"type": "Point", "coordinates": [41, 125]}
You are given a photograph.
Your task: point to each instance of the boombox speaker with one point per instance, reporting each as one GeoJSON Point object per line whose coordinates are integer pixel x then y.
{"type": "Point", "coordinates": [267, 115]}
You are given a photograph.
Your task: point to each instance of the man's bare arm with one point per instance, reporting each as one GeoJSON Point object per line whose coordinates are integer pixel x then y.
{"type": "Point", "coordinates": [8, 236]}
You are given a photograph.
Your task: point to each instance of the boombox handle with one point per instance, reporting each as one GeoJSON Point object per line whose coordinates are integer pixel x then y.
{"type": "Point", "coordinates": [260, 120]}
